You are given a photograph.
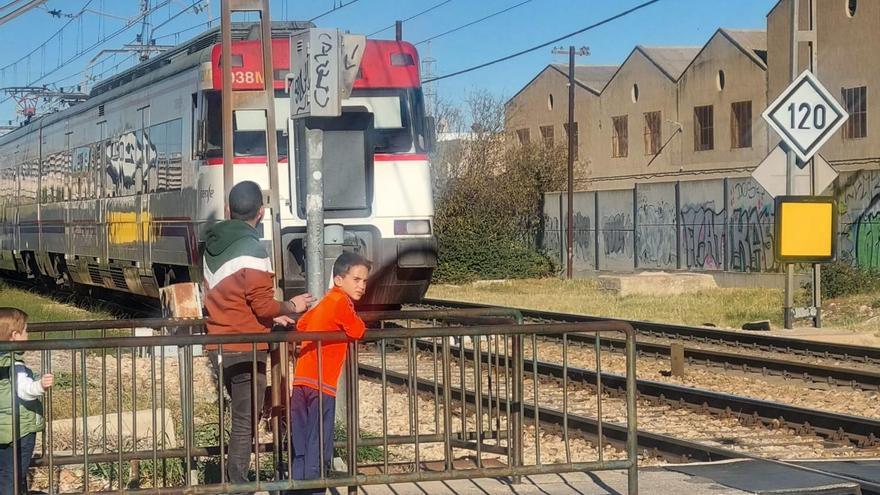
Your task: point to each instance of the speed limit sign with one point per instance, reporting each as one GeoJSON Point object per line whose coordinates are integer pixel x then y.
{"type": "Point", "coordinates": [805, 115]}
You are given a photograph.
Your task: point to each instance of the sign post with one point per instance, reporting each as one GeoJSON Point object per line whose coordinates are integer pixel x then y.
{"type": "Point", "coordinates": [805, 116]}
{"type": "Point", "coordinates": [324, 64]}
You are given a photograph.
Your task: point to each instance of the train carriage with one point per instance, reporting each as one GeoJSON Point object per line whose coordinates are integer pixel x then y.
{"type": "Point", "coordinates": [117, 191]}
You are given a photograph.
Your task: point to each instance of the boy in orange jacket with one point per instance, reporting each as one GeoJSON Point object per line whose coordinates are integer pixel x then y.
{"type": "Point", "coordinates": [334, 313]}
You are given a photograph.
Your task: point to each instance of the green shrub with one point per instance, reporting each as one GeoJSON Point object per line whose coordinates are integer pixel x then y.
{"type": "Point", "coordinates": [842, 279]}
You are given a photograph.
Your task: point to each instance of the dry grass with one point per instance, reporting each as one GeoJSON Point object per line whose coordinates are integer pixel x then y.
{"type": "Point", "coordinates": [722, 307]}
{"type": "Point", "coordinates": [41, 308]}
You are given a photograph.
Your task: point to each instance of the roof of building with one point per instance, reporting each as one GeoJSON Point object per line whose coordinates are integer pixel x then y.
{"type": "Point", "coordinates": [671, 60]}
{"type": "Point", "coordinates": [753, 42]}
{"type": "Point", "coordinates": [591, 77]}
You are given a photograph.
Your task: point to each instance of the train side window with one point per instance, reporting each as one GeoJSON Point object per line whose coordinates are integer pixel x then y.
{"type": "Point", "coordinates": [174, 142]}
{"type": "Point", "coordinates": [154, 158]}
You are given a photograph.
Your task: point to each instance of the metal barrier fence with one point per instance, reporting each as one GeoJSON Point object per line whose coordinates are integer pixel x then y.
{"type": "Point", "coordinates": [146, 413]}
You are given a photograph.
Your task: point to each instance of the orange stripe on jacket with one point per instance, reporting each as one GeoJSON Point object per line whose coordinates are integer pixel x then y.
{"type": "Point", "coordinates": [334, 313]}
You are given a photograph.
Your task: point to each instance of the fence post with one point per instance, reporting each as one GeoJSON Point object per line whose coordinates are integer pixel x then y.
{"type": "Point", "coordinates": [516, 351]}
{"type": "Point", "coordinates": [597, 222]}
{"type": "Point", "coordinates": [631, 423]}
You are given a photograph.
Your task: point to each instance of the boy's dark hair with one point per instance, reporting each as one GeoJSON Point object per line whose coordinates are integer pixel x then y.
{"type": "Point", "coordinates": [245, 200]}
{"type": "Point", "coordinates": [12, 320]}
{"type": "Point", "coordinates": [346, 261]}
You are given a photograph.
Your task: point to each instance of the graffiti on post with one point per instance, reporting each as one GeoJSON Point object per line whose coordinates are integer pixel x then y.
{"type": "Point", "coordinates": [751, 228]}
{"type": "Point", "coordinates": [702, 235]}
{"type": "Point", "coordinates": [656, 233]}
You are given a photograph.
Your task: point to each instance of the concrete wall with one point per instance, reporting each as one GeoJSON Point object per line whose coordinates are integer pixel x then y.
{"type": "Point", "coordinates": [751, 229]}
{"type": "Point", "coordinates": [859, 226]}
{"type": "Point", "coordinates": [702, 215]}
{"type": "Point", "coordinates": [709, 225]}
{"type": "Point", "coordinates": [616, 232]}
{"type": "Point", "coordinates": [656, 224]}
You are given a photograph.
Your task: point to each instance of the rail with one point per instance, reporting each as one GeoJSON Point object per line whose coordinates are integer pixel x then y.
{"type": "Point", "coordinates": [138, 406]}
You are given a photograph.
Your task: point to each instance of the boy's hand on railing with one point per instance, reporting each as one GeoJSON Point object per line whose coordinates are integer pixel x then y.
{"type": "Point", "coordinates": [302, 302]}
{"type": "Point", "coordinates": [47, 380]}
{"type": "Point", "coordinates": [284, 321]}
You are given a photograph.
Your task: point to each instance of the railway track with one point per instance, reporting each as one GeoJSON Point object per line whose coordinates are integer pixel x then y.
{"type": "Point", "coordinates": [651, 444]}
{"type": "Point", "coordinates": [791, 358]}
{"type": "Point", "coordinates": [835, 427]}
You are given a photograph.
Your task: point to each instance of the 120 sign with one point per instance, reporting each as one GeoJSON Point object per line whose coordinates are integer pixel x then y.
{"type": "Point", "coordinates": [804, 111]}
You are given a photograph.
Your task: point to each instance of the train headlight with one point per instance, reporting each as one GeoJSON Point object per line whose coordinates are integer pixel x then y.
{"type": "Point", "coordinates": [412, 227]}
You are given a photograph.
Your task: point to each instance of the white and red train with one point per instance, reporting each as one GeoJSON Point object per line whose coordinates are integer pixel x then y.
{"type": "Point", "coordinates": [117, 191]}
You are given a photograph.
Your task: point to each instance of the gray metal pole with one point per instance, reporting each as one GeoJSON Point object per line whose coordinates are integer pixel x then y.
{"type": "Point", "coordinates": [569, 231]}
{"type": "Point", "coordinates": [315, 214]}
{"type": "Point", "coordinates": [789, 169]}
{"type": "Point", "coordinates": [817, 268]}
{"type": "Point", "coordinates": [226, 99]}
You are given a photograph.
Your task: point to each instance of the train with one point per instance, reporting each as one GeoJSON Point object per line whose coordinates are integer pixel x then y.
{"type": "Point", "coordinates": [117, 191]}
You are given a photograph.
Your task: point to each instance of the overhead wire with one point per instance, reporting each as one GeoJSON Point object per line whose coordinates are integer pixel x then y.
{"type": "Point", "coordinates": [98, 43]}
{"type": "Point", "coordinates": [429, 9]}
{"type": "Point", "coordinates": [508, 9]}
{"type": "Point", "coordinates": [334, 9]}
{"type": "Point", "coordinates": [55, 34]}
{"type": "Point", "coordinates": [543, 45]}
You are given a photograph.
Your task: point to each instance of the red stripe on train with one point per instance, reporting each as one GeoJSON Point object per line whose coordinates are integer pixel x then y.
{"type": "Point", "coordinates": [403, 157]}
{"type": "Point", "coordinates": [378, 157]}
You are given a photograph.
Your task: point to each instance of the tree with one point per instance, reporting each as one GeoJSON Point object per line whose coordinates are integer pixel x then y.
{"type": "Point", "coordinates": [489, 191]}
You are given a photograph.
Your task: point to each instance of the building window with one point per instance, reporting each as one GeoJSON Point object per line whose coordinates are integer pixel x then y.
{"type": "Point", "coordinates": [523, 136]}
{"type": "Point", "coordinates": [547, 135]}
{"type": "Point", "coordinates": [851, 6]}
{"type": "Point", "coordinates": [855, 100]}
{"type": "Point", "coordinates": [619, 136]}
{"type": "Point", "coordinates": [741, 124]}
{"type": "Point", "coordinates": [652, 133]}
{"type": "Point", "coordinates": [704, 137]}
{"type": "Point", "coordinates": [574, 144]}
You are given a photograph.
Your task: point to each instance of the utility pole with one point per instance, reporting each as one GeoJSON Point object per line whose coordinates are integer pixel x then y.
{"type": "Point", "coordinates": [796, 36]}
{"type": "Point", "coordinates": [569, 229]}
{"type": "Point", "coordinates": [817, 268]}
{"type": "Point", "coordinates": [791, 159]}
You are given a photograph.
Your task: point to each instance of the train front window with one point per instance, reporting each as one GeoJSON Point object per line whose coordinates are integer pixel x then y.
{"type": "Point", "coordinates": [398, 117]}
{"type": "Point", "coordinates": [249, 135]}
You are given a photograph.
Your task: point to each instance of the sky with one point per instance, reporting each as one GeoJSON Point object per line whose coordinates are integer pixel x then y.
{"type": "Point", "coordinates": [65, 56]}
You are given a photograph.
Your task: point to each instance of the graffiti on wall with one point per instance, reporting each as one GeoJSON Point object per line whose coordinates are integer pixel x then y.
{"type": "Point", "coordinates": [751, 228]}
{"type": "Point", "coordinates": [615, 228]}
{"type": "Point", "coordinates": [656, 233]}
{"type": "Point", "coordinates": [552, 240]}
{"type": "Point", "coordinates": [702, 235]}
{"type": "Point", "coordinates": [860, 219]}
{"type": "Point", "coordinates": [583, 240]}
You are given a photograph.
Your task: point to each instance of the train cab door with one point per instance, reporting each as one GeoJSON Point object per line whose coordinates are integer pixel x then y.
{"type": "Point", "coordinates": [148, 183]}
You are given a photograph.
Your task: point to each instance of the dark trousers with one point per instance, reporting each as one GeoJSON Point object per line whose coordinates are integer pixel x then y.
{"type": "Point", "coordinates": [305, 425]}
{"type": "Point", "coordinates": [237, 378]}
{"type": "Point", "coordinates": [25, 452]}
